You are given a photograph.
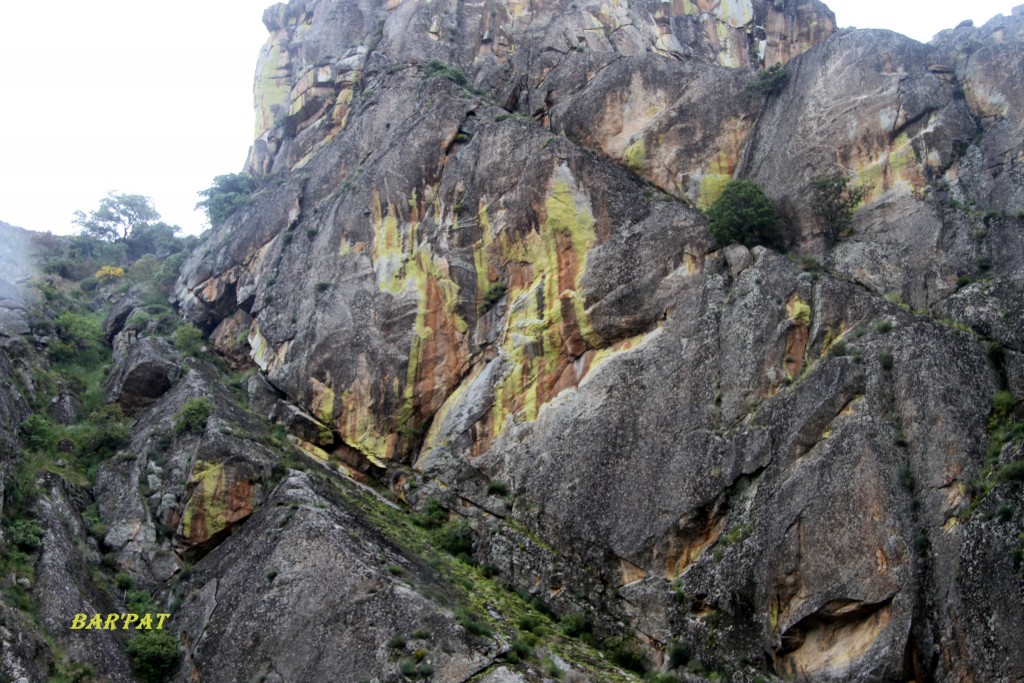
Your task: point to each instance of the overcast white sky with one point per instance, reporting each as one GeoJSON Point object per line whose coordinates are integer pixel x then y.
{"type": "Point", "coordinates": [155, 98]}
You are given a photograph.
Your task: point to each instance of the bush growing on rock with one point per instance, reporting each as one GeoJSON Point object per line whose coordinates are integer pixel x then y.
{"type": "Point", "coordinates": [834, 202]}
{"type": "Point", "coordinates": [456, 537]}
{"type": "Point", "coordinates": [769, 81]}
{"type": "Point", "coordinates": [26, 534]}
{"type": "Point", "coordinates": [188, 339]}
{"type": "Point", "coordinates": [154, 655]}
{"type": "Point", "coordinates": [192, 417]}
{"type": "Point", "coordinates": [743, 214]}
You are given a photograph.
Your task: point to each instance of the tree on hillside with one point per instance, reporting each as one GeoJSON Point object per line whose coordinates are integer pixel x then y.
{"type": "Point", "coordinates": [116, 216]}
{"type": "Point", "coordinates": [228, 193]}
{"type": "Point", "coordinates": [157, 238]}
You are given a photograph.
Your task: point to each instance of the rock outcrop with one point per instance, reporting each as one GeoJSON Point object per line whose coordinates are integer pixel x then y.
{"type": "Point", "coordinates": [145, 374]}
{"type": "Point", "coordinates": [480, 309]}
{"type": "Point", "coordinates": [481, 257]}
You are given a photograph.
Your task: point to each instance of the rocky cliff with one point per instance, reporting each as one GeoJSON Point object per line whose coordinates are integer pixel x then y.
{"type": "Point", "coordinates": [488, 319]}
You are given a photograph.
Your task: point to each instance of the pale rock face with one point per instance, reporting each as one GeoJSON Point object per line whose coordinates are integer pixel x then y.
{"type": "Point", "coordinates": [319, 54]}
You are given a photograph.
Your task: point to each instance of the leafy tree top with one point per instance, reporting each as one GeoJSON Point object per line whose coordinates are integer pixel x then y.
{"type": "Point", "coordinates": [116, 217]}
{"type": "Point", "coordinates": [228, 193]}
{"type": "Point", "coordinates": [742, 213]}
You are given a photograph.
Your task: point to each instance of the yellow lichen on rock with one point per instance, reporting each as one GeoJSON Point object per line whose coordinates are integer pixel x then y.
{"type": "Point", "coordinates": [219, 499]}
{"type": "Point", "coordinates": [635, 154]}
{"type": "Point", "coordinates": [273, 84]}
{"type": "Point", "coordinates": [547, 326]}
{"type": "Point", "coordinates": [798, 310]}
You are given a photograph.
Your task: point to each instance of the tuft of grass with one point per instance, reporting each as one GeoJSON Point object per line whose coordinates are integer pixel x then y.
{"type": "Point", "coordinates": [838, 349]}
{"type": "Point", "coordinates": [1013, 471]}
{"type": "Point", "coordinates": [522, 648]}
{"type": "Point", "coordinates": [473, 623]}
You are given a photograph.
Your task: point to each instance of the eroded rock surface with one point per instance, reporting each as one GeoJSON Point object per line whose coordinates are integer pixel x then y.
{"type": "Point", "coordinates": [482, 257]}
{"type": "Point", "coordinates": [476, 273]}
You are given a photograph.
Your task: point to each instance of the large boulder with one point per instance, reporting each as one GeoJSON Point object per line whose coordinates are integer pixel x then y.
{"type": "Point", "coordinates": [146, 372]}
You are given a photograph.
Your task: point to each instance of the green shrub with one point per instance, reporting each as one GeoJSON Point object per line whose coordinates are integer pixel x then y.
{"type": "Point", "coordinates": [421, 633]}
{"type": "Point", "coordinates": [834, 202]}
{"type": "Point", "coordinates": [838, 349]}
{"type": "Point", "coordinates": [1013, 471]}
{"type": "Point", "coordinates": [679, 654]}
{"type": "Point", "coordinates": [1003, 404]}
{"type": "Point", "coordinates": [154, 655]}
{"type": "Point", "coordinates": [397, 642]}
{"type": "Point", "coordinates": [884, 327]}
{"type": "Point", "coordinates": [227, 194]}
{"type": "Point", "coordinates": [551, 669]}
{"type": "Point", "coordinates": [188, 339]}
{"type": "Point", "coordinates": [436, 67]}
{"type": "Point", "coordinates": [743, 214]}
{"type": "Point", "coordinates": [101, 434]}
{"type": "Point", "coordinates": [407, 667]}
{"type": "Point", "coordinates": [1004, 513]}
{"type": "Point", "coordinates": [39, 433]}
{"type": "Point", "coordinates": [455, 537]}
{"type": "Point", "coordinates": [432, 516]}
{"type": "Point", "coordinates": [492, 296]}
{"type": "Point", "coordinates": [522, 648]}
{"type": "Point", "coordinates": [531, 624]}
{"type": "Point", "coordinates": [624, 652]}
{"type": "Point", "coordinates": [574, 624]}
{"type": "Point", "coordinates": [497, 488]}
{"type": "Point", "coordinates": [192, 417]}
{"type": "Point", "coordinates": [769, 81]}
{"type": "Point", "coordinates": [885, 358]}
{"type": "Point", "coordinates": [26, 534]}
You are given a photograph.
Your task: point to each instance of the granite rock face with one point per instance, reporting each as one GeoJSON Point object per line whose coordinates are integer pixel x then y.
{"type": "Point", "coordinates": [476, 282]}
{"type": "Point", "coordinates": [478, 253]}
{"type": "Point", "coordinates": [309, 565]}
{"type": "Point", "coordinates": [16, 259]}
